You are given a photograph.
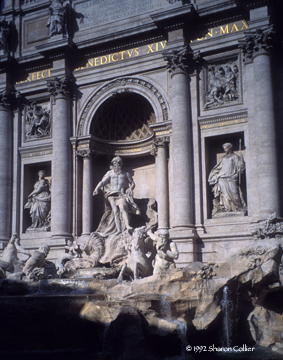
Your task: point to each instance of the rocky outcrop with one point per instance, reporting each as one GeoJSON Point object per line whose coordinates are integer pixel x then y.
{"type": "Point", "coordinates": [194, 305]}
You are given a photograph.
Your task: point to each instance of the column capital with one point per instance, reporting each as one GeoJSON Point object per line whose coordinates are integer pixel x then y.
{"type": "Point", "coordinates": [9, 99]}
{"type": "Point", "coordinates": [160, 142]}
{"type": "Point", "coordinates": [257, 42]}
{"type": "Point", "coordinates": [61, 86]}
{"type": "Point", "coordinates": [182, 61]}
{"type": "Point", "coordinates": [85, 153]}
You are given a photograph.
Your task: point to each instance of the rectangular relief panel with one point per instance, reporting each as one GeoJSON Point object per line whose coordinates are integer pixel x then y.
{"type": "Point", "coordinates": [222, 84]}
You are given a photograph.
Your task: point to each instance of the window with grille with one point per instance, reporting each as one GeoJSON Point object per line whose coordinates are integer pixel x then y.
{"type": "Point", "coordinates": [123, 117]}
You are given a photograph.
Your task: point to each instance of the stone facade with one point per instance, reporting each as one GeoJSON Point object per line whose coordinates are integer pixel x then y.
{"type": "Point", "coordinates": [163, 84]}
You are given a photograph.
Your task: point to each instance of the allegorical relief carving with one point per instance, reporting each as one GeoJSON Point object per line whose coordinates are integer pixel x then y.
{"type": "Point", "coordinates": [37, 124]}
{"type": "Point", "coordinates": [225, 178]}
{"type": "Point", "coordinates": [39, 204]}
{"type": "Point", "coordinates": [222, 85]}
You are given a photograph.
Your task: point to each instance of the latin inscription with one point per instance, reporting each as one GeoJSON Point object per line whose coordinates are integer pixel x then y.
{"type": "Point", "coordinates": [38, 75]}
{"type": "Point", "coordinates": [138, 51]}
{"type": "Point", "coordinates": [125, 54]}
{"type": "Point", "coordinates": [98, 12]}
{"type": "Point", "coordinates": [224, 30]}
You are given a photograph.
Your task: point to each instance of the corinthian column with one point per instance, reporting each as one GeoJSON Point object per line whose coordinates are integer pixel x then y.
{"type": "Point", "coordinates": [162, 194]}
{"type": "Point", "coordinates": [6, 147]}
{"type": "Point", "coordinates": [179, 63]}
{"type": "Point", "coordinates": [87, 220]}
{"type": "Point", "coordinates": [61, 208]}
{"type": "Point", "coordinates": [256, 48]}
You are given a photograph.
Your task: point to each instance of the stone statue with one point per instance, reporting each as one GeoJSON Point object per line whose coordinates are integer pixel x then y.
{"type": "Point", "coordinates": [225, 178]}
{"type": "Point", "coordinates": [137, 263]}
{"type": "Point", "coordinates": [118, 191]}
{"type": "Point", "coordinates": [57, 18]}
{"type": "Point", "coordinates": [9, 259]}
{"type": "Point", "coordinates": [39, 204]}
{"type": "Point", "coordinates": [36, 258]}
{"type": "Point", "coordinates": [166, 250]}
{"type": "Point", "coordinates": [4, 34]}
{"type": "Point", "coordinates": [71, 251]}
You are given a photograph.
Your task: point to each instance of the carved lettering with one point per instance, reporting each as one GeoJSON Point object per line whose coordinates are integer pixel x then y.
{"type": "Point", "coordinates": [150, 48]}
{"type": "Point", "coordinates": [99, 12]}
{"type": "Point", "coordinates": [224, 30]}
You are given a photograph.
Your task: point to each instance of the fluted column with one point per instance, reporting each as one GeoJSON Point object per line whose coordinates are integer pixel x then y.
{"type": "Point", "coordinates": [161, 174]}
{"type": "Point", "coordinates": [179, 63]}
{"type": "Point", "coordinates": [256, 48]}
{"type": "Point", "coordinates": [61, 208]}
{"type": "Point", "coordinates": [87, 220]}
{"type": "Point", "coordinates": [6, 146]}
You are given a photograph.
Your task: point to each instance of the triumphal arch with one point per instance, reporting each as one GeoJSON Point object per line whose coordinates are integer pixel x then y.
{"type": "Point", "coordinates": [186, 92]}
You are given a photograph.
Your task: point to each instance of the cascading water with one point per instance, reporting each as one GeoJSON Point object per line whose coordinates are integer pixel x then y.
{"type": "Point", "coordinates": [227, 307]}
{"type": "Point", "coordinates": [165, 309]}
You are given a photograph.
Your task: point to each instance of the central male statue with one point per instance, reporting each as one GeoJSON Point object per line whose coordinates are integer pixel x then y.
{"type": "Point", "coordinates": [118, 191]}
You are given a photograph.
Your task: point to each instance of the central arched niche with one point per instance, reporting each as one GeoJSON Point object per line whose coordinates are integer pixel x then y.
{"type": "Point", "coordinates": [125, 116]}
{"type": "Point", "coordinates": [123, 119]}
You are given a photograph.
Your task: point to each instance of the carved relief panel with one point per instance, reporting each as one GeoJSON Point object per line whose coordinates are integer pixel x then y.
{"type": "Point", "coordinates": [37, 121]}
{"type": "Point", "coordinates": [222, 82]}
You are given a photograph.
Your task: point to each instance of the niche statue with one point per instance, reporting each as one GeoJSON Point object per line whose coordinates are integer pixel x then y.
{"type": "Point", "coordinates": [225, 178]}
{"type": "Point", "coordinates": [39, 204]}
{"type": "Point", "coordinates": [57, 18]}
{"type": "Point", "coordinates": [118, 191]}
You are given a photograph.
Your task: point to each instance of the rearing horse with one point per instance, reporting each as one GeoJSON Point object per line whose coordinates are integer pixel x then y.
{"type": "Point", "coordinates": [137, 262]}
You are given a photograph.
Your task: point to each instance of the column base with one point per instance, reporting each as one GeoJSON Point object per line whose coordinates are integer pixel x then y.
{"type": "Point", "coordinates": [62, 237]}
{"type": "Point", "coordinates": [185, 239]}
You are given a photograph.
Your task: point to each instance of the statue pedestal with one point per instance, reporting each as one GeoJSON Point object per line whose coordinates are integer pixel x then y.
{"type": "Point", "coordinates": [185, 241]}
